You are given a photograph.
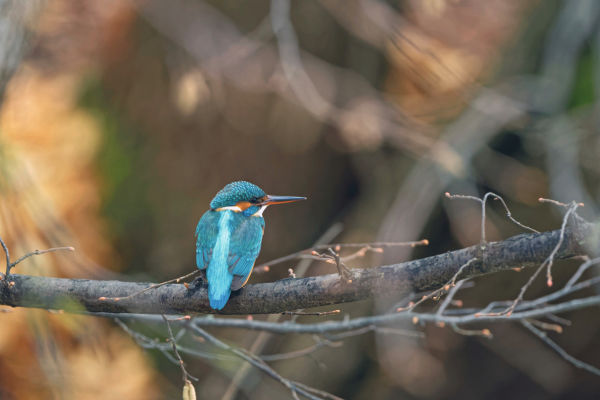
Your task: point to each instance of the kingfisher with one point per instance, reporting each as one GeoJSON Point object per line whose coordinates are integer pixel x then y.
{"type": "Point", "coordinates": [229, 236]}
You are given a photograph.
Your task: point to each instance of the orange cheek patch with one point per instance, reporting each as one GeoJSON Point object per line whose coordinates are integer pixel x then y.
{"type": "Point", "coordinates": [243, 205]}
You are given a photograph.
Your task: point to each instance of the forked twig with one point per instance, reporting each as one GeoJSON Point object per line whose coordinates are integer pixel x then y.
{"type": "Point", "coordinates": [10, 265]}
{"type": "Point", "coordinates": [38, 252]}
{"type": "Point", "coordinates": [546, 264]}
{"type": "Point", "coordinates": [483, 203]}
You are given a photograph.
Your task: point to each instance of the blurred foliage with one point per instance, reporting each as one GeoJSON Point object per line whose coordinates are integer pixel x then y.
{"type": "Point", "coordinates": [125, 202]}
{"type": "Point", "coordinates": [583, 88]}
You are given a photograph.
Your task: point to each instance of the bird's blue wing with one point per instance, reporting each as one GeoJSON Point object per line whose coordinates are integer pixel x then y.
{"type": "Point", "coordinates": [244, 248]}
{"type": "Point", "coordinates": [206, 238]}
{"type": "Point", "coordinates": [243, 271]}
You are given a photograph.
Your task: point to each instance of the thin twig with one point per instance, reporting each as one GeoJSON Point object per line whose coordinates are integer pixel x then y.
{"type": "Point", "coordinates": [294, 388]}
{"type": "Point", "coordinates": [546, 326]}
{"type": "Point", "coordinates": [165, 348]}
{"type": "Point", "coordinates": [316, 313]}
{"type": "Point", "coordinates": [472, 332]}
{"type": "Point", "coordinates": [547, 263]}
{"type": "Point", "coordinates": [562, 352]}
{"type": "Point", "coordinates": [559, 320]}
{"type": "Point", "coordinates": [531, 304]}
{"type": "Point", "coordinates": [569, 288]}
{"type": "Point", "coordinates": [509, 214]}
{"type": "Point", "coordinates": [184, 372]}
{"type": "Point", "coordinates": [38, 252]}
{"type": "Point", "coordinates": [11, 265]}
{"type": "Point", "coordinates": [338, 246]}
{"type": "Point", "coordinates": [550, 260]}
{"type": "Point", "coordinates": [6, 252]}
{"type": "Point", "coordinates": [438, 292]}
{"type": "Point", "coordinates": [153, 286]}
{"type": "Point", "coordinates": [448, 300]}
{"type": "Point", "coordinates": [483, 203]}
{"type": "Point", "coordinates": [397, 331]}
{"type": "Point", "coordinates": [307, 253]}
{"type": "Point", "coordinates": [558, 203]}
{"type": "Point", "coordinates": [582, 268]}
{"type": "Point", "coordinates": [319, 342]}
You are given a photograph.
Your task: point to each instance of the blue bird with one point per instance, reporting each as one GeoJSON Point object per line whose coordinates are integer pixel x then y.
{"type": "Point", "coordinates": [229, 235]}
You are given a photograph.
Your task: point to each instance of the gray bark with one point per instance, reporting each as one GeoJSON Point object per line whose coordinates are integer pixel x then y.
{"type": "Point", "coordinates": [290, 294]}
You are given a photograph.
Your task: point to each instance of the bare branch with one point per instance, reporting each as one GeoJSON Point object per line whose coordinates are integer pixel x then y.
{"type": "Point", "coordinates": [371, 322]}
{"type": "Point", "coordinates": [292, 294]}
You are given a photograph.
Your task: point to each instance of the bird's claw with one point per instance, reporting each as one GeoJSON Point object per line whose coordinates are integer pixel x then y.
{"type": "Point", "coordinates": [200, 280]}
{"type": "Point", "coordinates": [345, 273]}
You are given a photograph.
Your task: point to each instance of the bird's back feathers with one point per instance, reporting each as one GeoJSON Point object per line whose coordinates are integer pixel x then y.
{"type": "Point", "coordinates": [227, 245]}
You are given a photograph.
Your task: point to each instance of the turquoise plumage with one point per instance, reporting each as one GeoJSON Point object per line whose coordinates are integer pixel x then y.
{"type": "Point", "coordinates": [229, 237]}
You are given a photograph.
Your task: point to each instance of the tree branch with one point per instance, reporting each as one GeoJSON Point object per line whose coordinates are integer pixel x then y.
{"type": "Point", "coordinates": [371, 322]}
{"type": "Point", "coordinates": [524, 250]}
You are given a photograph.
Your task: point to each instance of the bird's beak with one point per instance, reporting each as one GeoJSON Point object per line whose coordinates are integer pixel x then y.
{"type": "Point", "coordinates": [270, 199]}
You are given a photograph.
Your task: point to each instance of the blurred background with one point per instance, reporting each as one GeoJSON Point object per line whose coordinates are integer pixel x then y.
{"type": "Point", "coordinates": [120, 120]}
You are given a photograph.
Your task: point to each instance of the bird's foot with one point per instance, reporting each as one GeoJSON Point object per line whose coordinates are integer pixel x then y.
{"type": "Point", "coordinates": [345, 272]}
{"type": "Point", "coordinates": [200, 280]}
{"type": "Point", "coordinates": [333, 256]}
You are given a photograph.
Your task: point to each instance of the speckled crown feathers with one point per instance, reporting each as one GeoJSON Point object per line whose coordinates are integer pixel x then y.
{"type": "Point", "coordinates": [234, 192]}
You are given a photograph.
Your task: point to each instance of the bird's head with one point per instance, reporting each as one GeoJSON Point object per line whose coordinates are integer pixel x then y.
{"type": "Point", "coordinates": [247, 198]}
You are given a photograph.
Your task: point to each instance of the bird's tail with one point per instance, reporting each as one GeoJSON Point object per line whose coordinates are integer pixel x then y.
{"type": "Point", "coordinates": [219, 287]}
{"type": "Point", "coordinates": [217, 273]}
